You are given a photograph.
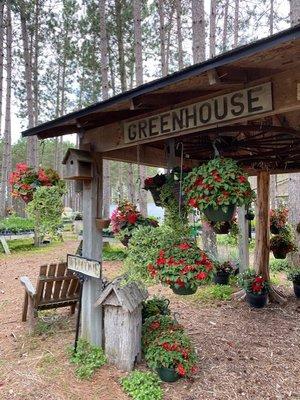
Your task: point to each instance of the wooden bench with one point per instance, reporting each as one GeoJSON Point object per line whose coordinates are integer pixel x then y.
{"type": "Point", "coordinates": [56, 287]}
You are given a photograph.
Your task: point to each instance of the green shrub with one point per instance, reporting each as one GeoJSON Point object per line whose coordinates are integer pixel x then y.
{"type": "Point", "coordinates": [143, 249]}
{"type": "Point", "coordinates": [277, 265]}
{"type": "Point", "coordinates": [16, 224]}
{"type": "Point", "coordinates": [113, 254]}
{"type": "Point", "coordinates": [87, 358]}
{"type": "Point", "coordinates": [142, 386]}
{"type": "Point", "coordinates": [214, 292]}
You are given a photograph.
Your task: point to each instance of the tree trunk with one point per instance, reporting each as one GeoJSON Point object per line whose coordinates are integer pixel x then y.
{"type": "Point", "coordinates": [5, 193]}
{"type": "Point", "coordinates": [236, 23]}
{"type": "Point", "coordinates": [295, 12]}
{"type": "Point", "coordinates": [198, 19]}
{"type": "Point", "coordinates": [1, 60]}
{"type": "Point", "coordinates": [179, 33]}
{"type": "Point", "coordinates": [273, 191]}
{"type": "Point", "coordinates": [225, 25]}
{"type": "Point", "coordinates": [32, 143]}
{"type": "Point", "coordinates": [120, 44]}
{"type": "Point", "coordinates": [162, 37]}
{"type": "Point", "coordinates": [212, 29]}
{"type": "Point", "coordinates": [104, 85]}
{"type": "Point", "coordinates": [271, 17]}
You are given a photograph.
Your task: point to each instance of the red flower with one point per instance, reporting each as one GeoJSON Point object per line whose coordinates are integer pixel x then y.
{"type": "Point", "coordinates": [180, 369]}
{"type": "Point", "coordinates": [132, 218]}
{"type": "Point", "coordinates": [185, 354]}
{"type": "Point", "coordinates": [42, 176]}
{"type": "Point", "coordinates": [22, 167]}
{"type": "Point", "coordinates": [166, 346]}
{"type": "Point", "coordinates": [155, 325]}
{"type": "Point", "coordinates": [201, 276]}
{"type": "Point", "coordinates": [184, 246]}
{"type": "Point", "coordinates": [152, 271]}
{"type": "Point", "coordinates": [242, 179]}
{"type": "Point", "coordinates": [148, 182]}
{"type": "Point", "coordinates": [161, 261]}
{"type": "Point", "coordinates": [187, 269]}
{"type": "Point", "coordinates": [180, 282]}
{"type": "Point", "coordinates": [199, 182]}
{"type": "Point", "coordinates": [193, 203]}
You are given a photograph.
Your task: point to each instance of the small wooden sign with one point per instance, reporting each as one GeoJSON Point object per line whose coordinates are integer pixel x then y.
{"type": "Point", "coordinates": [242, 103]}
{"type": "Point", "coordinates": [84, 266]}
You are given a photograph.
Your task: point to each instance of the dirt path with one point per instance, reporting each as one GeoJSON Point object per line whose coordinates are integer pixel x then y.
{"type": "Point", "coordinates": [243, 353]}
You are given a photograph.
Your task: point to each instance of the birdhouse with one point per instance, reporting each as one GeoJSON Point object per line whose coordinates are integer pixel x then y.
{"type": "Point", "coordinates": [78, 164]}
{"type": "Point", "coordinates": [122, 309]}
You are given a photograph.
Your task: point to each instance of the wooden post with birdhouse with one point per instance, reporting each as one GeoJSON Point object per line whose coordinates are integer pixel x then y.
{"type": "Point", "coordinates": [78, 165]}
{"type": "Point", "coordinates": [122, 309]}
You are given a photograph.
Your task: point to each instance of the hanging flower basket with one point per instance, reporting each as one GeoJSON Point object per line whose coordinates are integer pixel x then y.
{"type": "Point", "coordinates": [182, 266]}
{"type": "Point", "coordinates": [155, 192]}
{"type": "Point", "coordinates": [185, 290]}
{"type": "Point", "coordinates": [221, 228]}
{"type": "Point", "coordinates": [102, 223]}
{"type": "Point", "coordinates": [154, 185]}
{"type": "Point", "coordinates": [282, 244]}
{"type": "Point", "coordinates": [250, 215]}
{"type": "Point", "coordinates": [280, 254]}
{"type": "Point", "coordinates": [275, 230]}
{"type": "Point", "coordinates": [217, 187]}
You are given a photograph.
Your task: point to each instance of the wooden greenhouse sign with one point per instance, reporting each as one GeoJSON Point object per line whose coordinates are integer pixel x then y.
{"type": "Point", "coordinates": [242, 103]}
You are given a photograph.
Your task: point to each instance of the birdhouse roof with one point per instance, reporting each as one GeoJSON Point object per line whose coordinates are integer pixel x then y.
{"type": "Point", "coordinates": [80, 155]}
{"type": "Point", "coordinates": [129, 296]}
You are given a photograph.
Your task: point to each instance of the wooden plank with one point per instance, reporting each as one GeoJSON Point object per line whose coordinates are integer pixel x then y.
{"type": "Point", "coordinates": [49, 285]}
{"type": "Point", "coordinates": [40, 284]}
{"type": "Point", "coordinates": [243, 239]}
{"type": "Point", "coordinates": [4, 245]}
{"type": "Point", "coordinates": [60, 277]}
{"type": "Point", "coordinates": [262, 227]}
{"type": "Point", "coordinates": [65, 287]}
{"type": "Point", "coordinates": [91, 321]}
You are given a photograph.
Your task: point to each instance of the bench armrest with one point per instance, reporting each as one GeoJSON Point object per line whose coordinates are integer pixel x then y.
{"type": "Point", "coordinates": [25, 281]}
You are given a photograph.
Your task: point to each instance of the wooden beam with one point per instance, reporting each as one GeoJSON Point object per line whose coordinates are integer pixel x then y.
{"type": "Point", "coordinates": [262, 231]}
{"type": "Point", "coordinates": [243, 239]}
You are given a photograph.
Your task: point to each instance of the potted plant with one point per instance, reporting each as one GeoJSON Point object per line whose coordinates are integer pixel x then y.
{"type": "Point", "coordinates": [281, 245]}
{"type": "Point", "coordinates": [222, 271]}
{"type": "Point", "coordinates": [154, 184]}
{"type": "Point", "coordinates": [217, 187]}
{"type": "Point", "coordinates": [182, 266]}
{"type": "Point", "coordinates": [172, 356]}
{"type": "Point", "coordinates": [278, 219]}
{"type": "Point", "coordinates": [155, 326]}
{"type": "Point", "coordinates": [221, 227]}
{"type": "Point", "coordinates": [25, 180]}
{"type": "Point", "coordinates": [294, 276]}
{"type": "Point", "coordinates": [125, 218]}
{"type": "Point", "coordinates": [250, 215]}
{"type": "Point", "coordinates": [256, 287]}
{"type": "Point", "coordinates": [155, 306]}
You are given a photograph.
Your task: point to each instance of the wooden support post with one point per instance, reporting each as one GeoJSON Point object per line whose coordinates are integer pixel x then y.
{"type": "Point", "coordinates": [91, 325]}
{"type": "Point", "coordinates": [171, 159]}
{"type": "Point", "coordinates": [243, 239]}
{"type": "Point", "coordinates": [262, 228]}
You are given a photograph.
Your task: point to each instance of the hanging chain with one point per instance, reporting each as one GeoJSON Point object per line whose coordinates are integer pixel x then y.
{"type": "Point", "coordinates": [181, 174]}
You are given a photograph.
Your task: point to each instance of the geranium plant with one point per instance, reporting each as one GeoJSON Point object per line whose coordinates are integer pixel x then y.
{"type": "Point", "coordinates": [281, 245]}
{"type": "Point", "coordinates": [155, 182]}
{"type": "Point", "coordinates": [181, 265]}
{"type": "Point", "coordinates": [278, 219]}
{"type": "Point", "coordinates": [225, 267]}
{"type": "Point", "coordinates": [125, 218]}
{"type": "Point", "coordinates": [25, 180]}
{"type": "Point", "coordinates": [253, 283]}
{"type": "Point", "coordinates": [294, 275]}
{"type": "Point", "coordinates": [172, 349]}
{"type": "Point", "coordinates": [220, 183]}
{"type": "Point", "coordinates": [156, 325]}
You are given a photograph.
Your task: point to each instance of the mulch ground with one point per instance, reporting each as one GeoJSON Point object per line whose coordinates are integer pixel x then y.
{"type": "Point", "coordinates": [243, 353]}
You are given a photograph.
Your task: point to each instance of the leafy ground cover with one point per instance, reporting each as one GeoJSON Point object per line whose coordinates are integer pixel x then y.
{"type": "Point", "coordinates": [244, 354]}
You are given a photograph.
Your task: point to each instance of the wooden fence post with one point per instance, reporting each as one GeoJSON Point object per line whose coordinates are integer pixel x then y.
{"type": "Point", "coordinates": [91, 325]}
{"type": "Point", "coordinates": [243, 239]}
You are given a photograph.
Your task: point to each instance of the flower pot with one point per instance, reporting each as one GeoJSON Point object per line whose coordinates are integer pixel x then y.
{"type": "Point", "coordinates": [183, 291]}
{"type": "Point", "coordinates": [221, 228]}
{"type": "Point", "coordinates": [218, 214]}
{"type": "Point", "coordinates": [297, 289]}
{"type": "Point", "coordinates": [221, 278]}
{"type": "Point", "coordinates": [257, 300]}
{"type": "Point", "coordinates": [102, 223]}
{"type": "Point", "coordinates": [274, 229]}
{"type": "Point", "coordinates": [155, 192]}
{"type": "Point", "coordinates": [279, 254]}
{"type": "Point", "coordinates": [168, 374]}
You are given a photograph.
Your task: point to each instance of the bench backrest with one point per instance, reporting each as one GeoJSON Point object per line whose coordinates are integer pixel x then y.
{"type": "Point", "coordinates": [56, 284]}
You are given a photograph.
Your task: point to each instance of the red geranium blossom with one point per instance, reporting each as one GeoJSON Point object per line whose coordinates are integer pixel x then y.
{"type": "Point", "coordinates": [180, 369]}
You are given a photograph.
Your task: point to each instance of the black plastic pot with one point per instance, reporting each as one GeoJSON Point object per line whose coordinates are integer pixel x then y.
{"type": "Point", "coordinates": [250, 216]}
{"type": "Point", "coordinates": [221, 228]}
{"type": "Point", "coordinates": [221, 278]}
{"type": "Point", "coordinates": [279, 254]}
{"type": "Point", "coordinates": [217, 214]}
{"type": "Point", "coordinates": [297, 289]}
{"type": "Point", "coordinates": [257, 300]}
{"type": "Point", "coordinates": [274, 229]}
{"type": "Point", "coordinates": [168, 374]}
{"type": "Point", "coordinates": [183, 291]}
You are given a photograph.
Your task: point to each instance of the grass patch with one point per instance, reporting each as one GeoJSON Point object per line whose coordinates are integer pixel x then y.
{"type": "Point", "coordinates": [26, 245]}
{"type": "Point", "coordinates": [212, 293]}
{"type": "Point", "coordinates": [142, 386]}
{"type": "Point", "coordinates": [113, 253]}
{"type": "Point", "coordinates": [279, 265]}
{"type": "Point", "coordinates": [275, 279]}
{"type": "Point", "coordinates": [87, 358]}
